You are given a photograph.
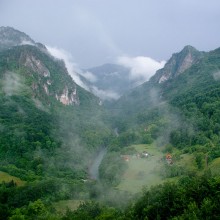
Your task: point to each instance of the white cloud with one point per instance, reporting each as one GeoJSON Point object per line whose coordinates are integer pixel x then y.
{"type": "Point", "coordinates": [216, 76]}
{"type": "Point", "coordinates": [141, 68]}
{"type": "Point", "coordinates": [12, 84]}
{"type": "Point", "coordinates": [89, 76]}
{"type": "Point", "coordinates": [105, 94]}
{"type": "Point", "coordinates": [25, 42]}
{"type": "Point", "coordinates": [75, 73]}
{"type": "Point", "coordinates": [72, 68]}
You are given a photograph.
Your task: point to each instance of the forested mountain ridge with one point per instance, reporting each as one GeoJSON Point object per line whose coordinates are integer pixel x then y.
{"type": "Point", "coordinates": [45, 76]}
{"type": "Point", "coordinates": [177, 64]}
{"type": "Point", "coordinates": [9, 37]}
{"type": "Point", "coordinates": [50, 128]}
{"type": "Point", "coordinates": [186, 93]}
{"type": "Point", "coordinates": [25, 53]}
{"type": "Point", "coordinates": [151, 92]}
{"type": "Point", "coordinates": [181, 112]}
{"type": "Point", "coordinates": [180, 116]}
{"type": "Point", "coordinates": [48, 123]}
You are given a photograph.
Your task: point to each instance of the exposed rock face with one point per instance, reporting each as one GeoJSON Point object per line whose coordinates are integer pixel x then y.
{"type": "Point", "coordinates": [46, 89]}
{"type": "Point", "coordinates": [46, 78]}
{"type": "Point", "coordinates": [177, 64]}
{"type": "Point", "coordinates": [68, 97]}
{"type": "Point", "coordinates": [49, 82]}
{"type": "Point", "coordinates": [37, 66]}
{"type": "Point", "coordinates": [186, 63]}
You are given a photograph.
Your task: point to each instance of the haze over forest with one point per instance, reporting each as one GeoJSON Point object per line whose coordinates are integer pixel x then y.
{"type": "Point", "coordinates": [109, 110]}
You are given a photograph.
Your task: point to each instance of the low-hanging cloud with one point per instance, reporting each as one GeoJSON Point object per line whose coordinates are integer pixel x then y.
{"type": "Point", "coordinates": [26, 42]}
{"type": "Point", "coordinates": [12, 83]}
{"type": "Point", "coordinates": [76, 72]}
{"type": "Point", "coordinates": [72, 68]}
{"type": "Point", "coordinates": [141, 68]}
{"type": "Point", "coordinates": [105, 94]}
{"type": "Point", "coordinates": [216, 76]}
{"type": "Point", "coordinates": [89, 76]}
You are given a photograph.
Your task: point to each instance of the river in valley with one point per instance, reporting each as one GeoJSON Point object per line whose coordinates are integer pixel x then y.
{"type": "Point", "coordinates": [94, 167]}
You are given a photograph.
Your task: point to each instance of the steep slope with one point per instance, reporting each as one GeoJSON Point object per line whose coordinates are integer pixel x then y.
{"type": "Point", "coordinates": [44, 116]}
{"type": "Point", "coordinates": [177, 64]}
{"type": "Point", "coordinates": [183, 109]}
{"type": "Point", "coordinates": [48, 76]}
{"type": "Point", "coordinates": [196, 95]}
{"type": "Point", "coordinates": [148, 94]}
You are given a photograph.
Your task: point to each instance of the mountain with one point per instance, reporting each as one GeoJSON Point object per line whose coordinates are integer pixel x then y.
{"type": "Point", "coordinates": [51, 129]}
{"type": "Point", "coordinates": [111, 78]}
{"type": "Point", "coordinates": [177, 64]}
{"type": "Point", "coordinates": [10, 37]}
{"type": "Point", "coordinates": [47, 74]}
{"type": "Point", "coordinates": [178, 113]}
{"type": "Point", "coordinates": [111, 81]}
{"type": "Point", "coordinates": [148, 94]}
{"type": "Point", "coordinates": [183, 108]}
{"type": "Point", "coordinates": [44, 114]}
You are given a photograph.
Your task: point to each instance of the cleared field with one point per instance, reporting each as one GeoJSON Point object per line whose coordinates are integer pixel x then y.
{"type": "Point", "coordinates": [142, 171]}
{"type": "Point", "coordinates": [5, 177]}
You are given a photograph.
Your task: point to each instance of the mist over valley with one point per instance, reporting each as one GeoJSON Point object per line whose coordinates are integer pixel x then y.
{"type": "Point", "coordinates": [109, 118]}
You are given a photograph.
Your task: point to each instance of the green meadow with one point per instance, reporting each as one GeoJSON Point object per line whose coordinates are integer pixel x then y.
{"type": "Point", "coordinates": [142, 171]}
{"type": "Point", "coordinates": [5, 177]}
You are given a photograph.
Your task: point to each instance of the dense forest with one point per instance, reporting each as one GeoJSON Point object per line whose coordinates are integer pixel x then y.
{"type": "Point", "coordinates": [51, 131]}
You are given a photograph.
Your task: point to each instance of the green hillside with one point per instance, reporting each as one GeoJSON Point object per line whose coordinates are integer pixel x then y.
{"type": "Point", "coordinates": [50, 128]}
{"type": "Point", "coordinates": [161, 140]}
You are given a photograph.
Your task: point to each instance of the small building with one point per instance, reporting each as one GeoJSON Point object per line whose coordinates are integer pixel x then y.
{"type": "Point", "coordinates": [144, 154]}
{"type": "Point", "coordinates": [169, 158]}
{"type": "Point", "coordinates": [125, 157]}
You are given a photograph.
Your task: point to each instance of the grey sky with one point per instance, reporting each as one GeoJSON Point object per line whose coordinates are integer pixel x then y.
{"type": "Point", "coordinates": [99, 31]}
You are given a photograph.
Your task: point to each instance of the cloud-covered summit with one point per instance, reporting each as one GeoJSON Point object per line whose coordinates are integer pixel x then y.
{"type": "Point", "coordinates": [141, 68]}
{"type": "Point", "coordinates": [77, 74]}
{"type": "Point", "coordinates": [103, 81]}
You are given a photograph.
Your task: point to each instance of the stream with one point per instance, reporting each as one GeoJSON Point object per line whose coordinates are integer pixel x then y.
{"type": "Point", "coordinates": [94, 168]}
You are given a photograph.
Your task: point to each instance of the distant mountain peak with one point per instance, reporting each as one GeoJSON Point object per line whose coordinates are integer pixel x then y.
{"type": "Point", "coordinates": [189, 48]}
{"type": "Point", "coordinates": [10, 37]}
{"type": "Point", "coordinates": [112, 80]}
{"type": "Point", "coordinates": [177, 64]}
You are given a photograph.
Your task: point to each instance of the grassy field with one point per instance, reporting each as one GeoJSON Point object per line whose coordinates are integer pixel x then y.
{"type": "Point", "coordinates": [5, 177]}
{"type": "Point", "coordinates": [61, 206]}
{"type": "Point", "coordinates": [146, 172]}
{"type": "Point", "coordinates": [142, 171]}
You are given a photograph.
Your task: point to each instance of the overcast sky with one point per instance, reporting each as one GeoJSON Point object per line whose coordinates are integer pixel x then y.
{"type": "Point", "coordinates": [100, 31]}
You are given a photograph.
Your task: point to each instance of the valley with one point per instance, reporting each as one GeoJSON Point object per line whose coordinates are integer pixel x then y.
{"type": "Point", "coordinates": [153, 153]}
